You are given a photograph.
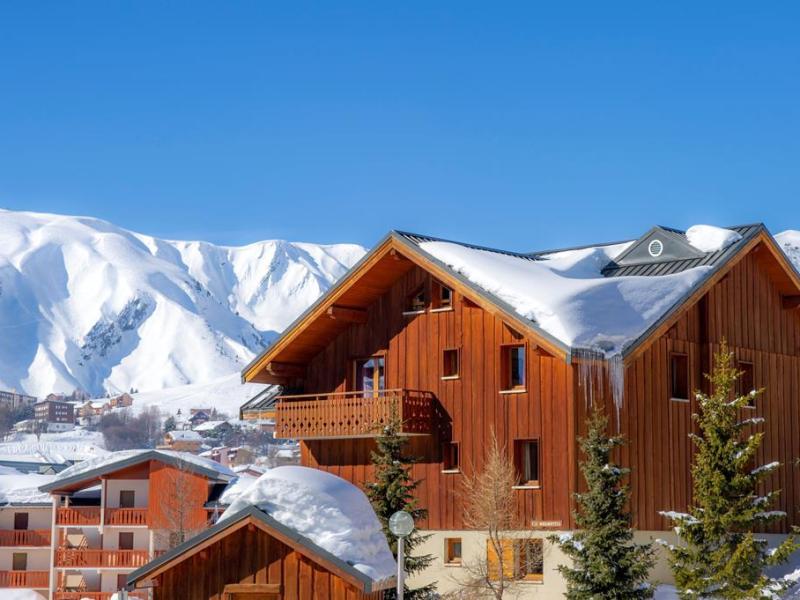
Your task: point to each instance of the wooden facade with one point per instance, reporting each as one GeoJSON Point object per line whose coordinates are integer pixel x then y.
{"type": "Point", "coordinates": [249, 561]}
{"type": "Point", "coordinates": [748, 303]}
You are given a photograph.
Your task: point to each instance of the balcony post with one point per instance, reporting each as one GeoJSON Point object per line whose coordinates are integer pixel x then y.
{"type": "Point", "coordinates": [53, 541]}
{"type": "Point", "coordinates": [102, 504]}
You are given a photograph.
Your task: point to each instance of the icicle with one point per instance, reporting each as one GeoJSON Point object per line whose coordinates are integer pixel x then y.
{"type": "Point", "coordinates": [616, 377]}
{"type": "Point", "coordinates": [591, 370]}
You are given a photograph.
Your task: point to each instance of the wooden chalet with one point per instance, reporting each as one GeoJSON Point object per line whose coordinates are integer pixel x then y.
{"type": "Point", "coordinates": [406, 330]}
{"type": "Point", "coordinates": [251, 556]}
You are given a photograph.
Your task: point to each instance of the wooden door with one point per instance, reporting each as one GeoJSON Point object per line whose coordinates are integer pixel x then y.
{"type": "Point", "coordinates": [19, 561]}
{"type": "Point", "coordinates": [127, 498]}
{"type": "Point", "coordinates": [125, 540]}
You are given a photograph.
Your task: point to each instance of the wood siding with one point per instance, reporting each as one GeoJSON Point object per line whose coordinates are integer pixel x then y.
{"type": "Point", "coordinates": [249, 555]}
{"type": "Point", "coordinates": [745, 308]}
{"type": "Point", "coordinates": [412, 347]}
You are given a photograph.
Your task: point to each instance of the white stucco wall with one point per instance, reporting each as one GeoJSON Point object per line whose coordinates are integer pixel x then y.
{"type": "Point", "coordinates": [38, 517]}
{"type": "Point", "coordinates": [38, 559]}
{"type": "Point", "coordinates": [140, 487]}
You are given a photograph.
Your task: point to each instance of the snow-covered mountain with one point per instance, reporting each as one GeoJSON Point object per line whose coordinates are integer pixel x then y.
{"type": "Point", "coordinates": [86, 304]}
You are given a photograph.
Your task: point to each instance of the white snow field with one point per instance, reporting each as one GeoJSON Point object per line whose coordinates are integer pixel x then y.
{"type": "Point", "coordinates": [86, 304]}
{"type": "Point", "coordinates": [331, 512]}
{"type": "Point", "coordinates": [76, 445]}
{"type": "Point", "coordinates": [18, 487]}
{"type": "Point", "coordinates": [226, 394]}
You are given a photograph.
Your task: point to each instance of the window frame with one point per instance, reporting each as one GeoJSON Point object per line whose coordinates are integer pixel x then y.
{"type": "Point", "coordinates": [26, 517]}
{"type": "Point", "coordinates": [126, 534]}
{"type": "Point", "coordinates": [438, 302]}
{"type": "Point", "coordinates": [448, 464]}
{"type": "Point", "coordinates": [409, 307]}
{"type": "Point", "coordinates": [457, 375]}
{"type": "Point", "coordinates": [519, 447]}
{"type": "Point", "coordinates": [132, 498]}
{"type": "Point", "coordinates": [506, 386]}
{"type": "Point", "coordinates": [450, 558]}
{"type": "Point", "coordinates": [376, 389]}
{"type": "Point", "coordinates": [520, 547]}
{"type": "Point", "coordinates": [672, 377]}
{"type": "Point", "coordinates": [23, 556]}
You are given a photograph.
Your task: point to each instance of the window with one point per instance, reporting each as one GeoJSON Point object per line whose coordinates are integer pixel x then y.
{"type": "Point", "coordinates": [679, 376]}
{"type": "Point", "coordinates": [416, 300]}
{"type": "Point", "coordinates": [369, 374]}
{"type": "Point", "coordinates": [522, 559]}
{"type": "Point", "coordinates": [125, 540]}
{"type": "Point", "coordinates": [452, 551]}
{"type": "Point", "coordinates": [19, 561]}
{"type": "Point", "coordinates": [442, 296]}
{"type": "Point", "coordinates": [450, 360]}
{"type": "Point", "coordinates": [20, 521]}
{"type": "Point", "coordinates": [745, 384]}
{"type": "Point", "coordinates": [127, 498]}
{"type": "Point", "coordinates": [526, 461]}
{"type": "Point", "coordinates": [122, 580]}
{"type": "Point", "coordinates": [451, 456]}
{"type": "Point", "coordinates": [531, 560]}
{"type": "Point", "coordinates": [513, 365]}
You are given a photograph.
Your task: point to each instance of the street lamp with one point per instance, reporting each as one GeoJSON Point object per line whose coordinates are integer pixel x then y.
{"type": "Point", "coordinates": [401, 524]}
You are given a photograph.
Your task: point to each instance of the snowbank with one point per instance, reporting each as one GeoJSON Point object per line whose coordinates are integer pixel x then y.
{"type": "Point", "coordinates": [331, 512]}
{"type": "Point", "coordinates": [122, 455]}
{"type": "Point", "coordinates": [708, 238]}
{"type": "Point", "coordinates": [54, 448]}
{"type": "Point", "coordinates": [567, 295]}
{"type": "Point", "coordinates": [22, 488]}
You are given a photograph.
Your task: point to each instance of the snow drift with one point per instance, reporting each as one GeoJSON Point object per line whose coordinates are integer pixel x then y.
{"type": "Point", "coordinates": [331, 512]}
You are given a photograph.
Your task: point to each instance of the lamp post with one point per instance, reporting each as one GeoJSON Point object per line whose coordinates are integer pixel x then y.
{"type": "Point", "coordinates": [401, 524]}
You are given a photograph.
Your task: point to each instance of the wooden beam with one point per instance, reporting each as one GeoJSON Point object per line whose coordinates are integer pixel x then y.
{"type": "Point", "coordinates": [396, 255]}
{"type": "Point", "coordinates": [790, 302]}
{"type": "Point", "coordinates": [348, 315]}
{"type": "Point", "coordinates": [252, 588]}
{"type": "Point", "coordinates": [285, 369]}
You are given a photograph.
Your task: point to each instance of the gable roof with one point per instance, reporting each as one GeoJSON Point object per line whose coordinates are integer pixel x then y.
{"type": "Point", "coordinates": [693, 268]}
{"type": "Point", "coordinates": [91, 470]}
{"type": "Point", "coordinates": [264, 521]}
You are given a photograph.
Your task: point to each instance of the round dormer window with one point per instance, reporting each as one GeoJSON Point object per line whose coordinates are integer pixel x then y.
{"type": "Point", "coordinates": [655, 248]}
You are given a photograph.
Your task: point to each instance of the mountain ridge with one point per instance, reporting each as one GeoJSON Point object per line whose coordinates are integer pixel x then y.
{"type": "Point", "coordinates": [87, 304]}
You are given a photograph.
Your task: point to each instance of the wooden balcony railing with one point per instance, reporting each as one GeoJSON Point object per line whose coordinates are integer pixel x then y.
{"type": "Point", "coordinates": [92, 558]}
{"type": "Point", "coordinates": [126, 516]}
{"type": "Point", "coordinates": [78, 515]}
{"type": "Point", "coordinates": [25, 579]}
{"type": "Point", "coordinates": [352, 414]}
{"type": "Point", "coordinates": [94, 595]}
{"type": "Point", "coordinates": [24, 537]}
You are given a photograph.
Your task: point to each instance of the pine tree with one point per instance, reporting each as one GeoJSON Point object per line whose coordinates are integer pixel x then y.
{"type": "Point", "coordinates": [720, 555]}
{"type": "Point", "coordinates": [606, 563]}
{"type": "Point", "coordinates": [393, 490]}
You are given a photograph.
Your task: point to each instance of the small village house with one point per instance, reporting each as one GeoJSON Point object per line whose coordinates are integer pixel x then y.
{"type": "Point", "coordinates": [182, 441]}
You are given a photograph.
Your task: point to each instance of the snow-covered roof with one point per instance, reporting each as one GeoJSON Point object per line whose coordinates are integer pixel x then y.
{"type": "Point", "coordinates": [185, 435]}
{"type": "Point", "coordinates": [209, 425]}
{"type": "Point", "coordinates": [18, 488]}
{"type": "Point", "coordinates": [91, 469]}
{"type": "Point", "coordinates": [54, 448]}
{"type": "Point", "coordinates": [332, 513]}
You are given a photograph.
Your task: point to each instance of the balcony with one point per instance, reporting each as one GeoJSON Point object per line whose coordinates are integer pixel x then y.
{"type": "Point", "coordinates": [131, 517]}
{"type": "Point", "coordinates": [94, 595]}
{"type": "Point", "coordinates": [25, 579]}
{"type": "Point", "coordinates": [25, 537]}
{"type": "Point", "coordinates": [83, 558]}
{"type": "Point", "coordinates": [352, 414]}
{"type": "Point", "coordinates": [78, 515]}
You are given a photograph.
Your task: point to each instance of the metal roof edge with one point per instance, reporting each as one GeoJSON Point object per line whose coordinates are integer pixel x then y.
{"type": "Point", "coordinates": [152, 454]}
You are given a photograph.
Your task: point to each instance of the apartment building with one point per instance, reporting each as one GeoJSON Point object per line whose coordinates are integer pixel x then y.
{"type": "Point", "coordinates": [112, 515]}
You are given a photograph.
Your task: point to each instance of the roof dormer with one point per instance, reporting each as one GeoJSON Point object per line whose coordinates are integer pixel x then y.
{"type": "Point", "coordinates": [660, 244]}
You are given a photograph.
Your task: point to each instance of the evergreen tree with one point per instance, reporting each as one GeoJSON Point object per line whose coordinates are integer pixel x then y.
{"type": "Point", "coordinates": [720, 556]}
{"type": "Point", "coordinates": [169, 424]}
{"type": "Point", "coordinates": [606, 562]}
{"type": "Point", "coordinates": [393, 490]}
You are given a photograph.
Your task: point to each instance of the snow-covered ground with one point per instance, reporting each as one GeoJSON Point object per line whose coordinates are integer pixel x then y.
{"type": "Point", "coordinates": [76, 445]}
{"type": "Point", "coordinates": [19, 594]}
{"type": "Point", "coordinates": [86, 304]}
{"type": "Point", "coordinates": [226, 394]}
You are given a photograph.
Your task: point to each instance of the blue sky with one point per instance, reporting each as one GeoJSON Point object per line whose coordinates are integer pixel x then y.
{"type": "Point", "coordinates": [511, 124]}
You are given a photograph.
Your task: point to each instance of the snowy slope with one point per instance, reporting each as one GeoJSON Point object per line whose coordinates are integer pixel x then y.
{"type": "Point", "coordinates": [86, 304]}
{"type": "Point", "coordinates": [790, 242]}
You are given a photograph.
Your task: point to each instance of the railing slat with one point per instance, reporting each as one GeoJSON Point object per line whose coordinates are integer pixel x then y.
{"type": "Point", "coordinates": [352, 414]}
